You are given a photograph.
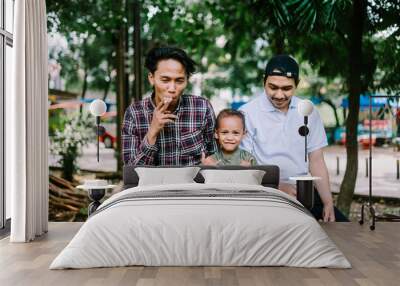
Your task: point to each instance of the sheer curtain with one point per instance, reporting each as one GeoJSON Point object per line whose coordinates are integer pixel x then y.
{"type": "Point", "coordinates": [27, 123]}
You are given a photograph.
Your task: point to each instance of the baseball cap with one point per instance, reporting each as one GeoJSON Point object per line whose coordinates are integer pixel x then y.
{"type": "Point", "coordinates": [282, 65]}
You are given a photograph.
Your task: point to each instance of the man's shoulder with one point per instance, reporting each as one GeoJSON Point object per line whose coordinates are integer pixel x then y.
{"type": "Point", "coordinates": [195, 102]}
{"type": "Point", "coordinates": [138, 109]}
{"type": "Point", "coordinates": [255, 102]}
{"type": "Point", "coordinates": [140, 105]}
{"type": "Point", "coordinates": [194, 98]}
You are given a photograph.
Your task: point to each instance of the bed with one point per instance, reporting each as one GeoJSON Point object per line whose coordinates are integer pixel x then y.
{"type": "Point", "coordinates": [201, 224]}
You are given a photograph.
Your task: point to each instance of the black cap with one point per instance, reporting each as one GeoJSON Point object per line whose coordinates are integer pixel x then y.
{"type": "Point", "coordinates": [282, 65]}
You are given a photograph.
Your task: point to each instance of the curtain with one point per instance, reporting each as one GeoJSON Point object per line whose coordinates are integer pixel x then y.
{"type": "Point", "coordinates": [27, 123]}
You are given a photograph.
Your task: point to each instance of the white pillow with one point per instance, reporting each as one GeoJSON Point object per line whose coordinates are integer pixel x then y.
{"type": "Point", "coordinates": [166, 176]}
{"type": "Point", "coordinates": [249, 177]}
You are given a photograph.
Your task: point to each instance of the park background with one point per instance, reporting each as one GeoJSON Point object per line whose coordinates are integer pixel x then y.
{"type": "Point", "coordinates": [347, 50]}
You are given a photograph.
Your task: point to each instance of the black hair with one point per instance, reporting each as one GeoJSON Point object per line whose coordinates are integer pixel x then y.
{"type": "Point", "coordinates": [229, 113]}
{"type": "Point", "coordinates": [282, 65]}
{"type": "Point", "coordinates": [164, 53]}
{"type": "Point", "coordinates": [296, 80]}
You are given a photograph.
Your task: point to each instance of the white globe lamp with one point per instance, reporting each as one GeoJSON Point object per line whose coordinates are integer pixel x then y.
{"type": "Point", "coordinates": [97, 108]}
{"type": "Point", "coordinates": [305, 107]}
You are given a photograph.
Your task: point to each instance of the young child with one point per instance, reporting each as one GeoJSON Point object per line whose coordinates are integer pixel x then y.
{"type": "Point", "coordinates": [229, 132]}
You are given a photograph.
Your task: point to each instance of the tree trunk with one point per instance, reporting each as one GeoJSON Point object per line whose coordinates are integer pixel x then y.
{"type": "Point", "coordinates": [106, 90]}
{"type": "Point", "coordinates": [108, 83]}
{"type": "Point", "coordinates": [84, 89]}
{"type": "Point", "coordinates": [121, 90]}
{"type": "Point", "coordinates": [84, 85]}
{"type": "Point", "coordinates": [127, 69]}
{"type": "Point", "coordinates": [68, 168]}
{"type": "Point", "coordinates": [354, 85]}
{"type": "Point", "coordinates": [278, 42]}
{"type": "Point", "coordinates": [137, 64]}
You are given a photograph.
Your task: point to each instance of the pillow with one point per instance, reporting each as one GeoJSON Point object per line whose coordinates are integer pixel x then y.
{"type": "Point", "coordinates": [249, 177]}
{"type": "Point", "coordinates": [166, 176]}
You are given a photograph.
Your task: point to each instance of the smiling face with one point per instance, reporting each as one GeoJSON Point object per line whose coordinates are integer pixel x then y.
{"type": "Point", "coordinates": [169, 81]}
{"type": "Point", "coordinates": [280, 90]}
{"type": "Point", "coordinates": [229, 133]}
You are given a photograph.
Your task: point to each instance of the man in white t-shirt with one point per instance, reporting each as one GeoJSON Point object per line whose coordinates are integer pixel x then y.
{"type": "Point", "coordinates": [272, 123]}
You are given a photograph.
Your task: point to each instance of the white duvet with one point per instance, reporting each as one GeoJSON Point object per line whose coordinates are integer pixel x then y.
{"type": "Point", "coordinates": [206, 230]}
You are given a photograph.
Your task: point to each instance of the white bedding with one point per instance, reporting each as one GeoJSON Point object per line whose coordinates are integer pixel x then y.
{"type": "Point", "coordinates": [204, 230]}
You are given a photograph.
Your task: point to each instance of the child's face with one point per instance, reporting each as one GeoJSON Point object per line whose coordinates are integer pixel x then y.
{"type": "Point", "coordinates": [229, 133]}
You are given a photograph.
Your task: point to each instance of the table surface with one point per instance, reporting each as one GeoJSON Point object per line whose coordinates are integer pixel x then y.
{"type": "Point", "coordinates": [305, 178]}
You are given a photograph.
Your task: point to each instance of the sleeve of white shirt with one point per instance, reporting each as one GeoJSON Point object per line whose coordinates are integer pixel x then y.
{"type": "Point", "coordinates": [317, 136]}
{"type": "Point", "coordinates": [247, 141]}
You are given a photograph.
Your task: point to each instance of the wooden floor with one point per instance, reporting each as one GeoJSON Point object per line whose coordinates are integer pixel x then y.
{"type": "Point", "coordinates": [375, 256]}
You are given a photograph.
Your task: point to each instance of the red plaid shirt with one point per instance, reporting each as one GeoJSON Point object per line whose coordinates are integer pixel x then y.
{"type": "Point", "coordinates": [178, 143]}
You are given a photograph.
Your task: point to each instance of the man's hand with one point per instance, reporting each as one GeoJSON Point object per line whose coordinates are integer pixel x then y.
{"type": "Point", "coordinates": [318, 169]}
{"type": "Point", "coordinates": [161, 116]}
{"type": "Point", "coordinates": [328, 213]}
{"type": "Point", "coordinates": [207, 161]}
{"type": "Point", "coordinates": [288, 189]}
{"type": "Point", "coordinates": [245, 163]}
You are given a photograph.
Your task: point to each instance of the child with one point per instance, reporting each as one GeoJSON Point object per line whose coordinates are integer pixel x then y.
{"type": "Point", "coordinates": [229, 132]}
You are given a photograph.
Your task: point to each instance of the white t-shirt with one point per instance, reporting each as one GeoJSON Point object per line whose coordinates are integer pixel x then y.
{"type": "Point", "coordinates": [273, 136]}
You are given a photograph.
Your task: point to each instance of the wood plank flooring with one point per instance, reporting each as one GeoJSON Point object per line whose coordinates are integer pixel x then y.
{"type": "Point", "coordinates": [374, 255]}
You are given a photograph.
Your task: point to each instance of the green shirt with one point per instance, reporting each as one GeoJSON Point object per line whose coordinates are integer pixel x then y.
{"type": "Point", "coordinates": [233, 159]}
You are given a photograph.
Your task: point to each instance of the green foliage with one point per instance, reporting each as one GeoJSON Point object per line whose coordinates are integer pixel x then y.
{"type": "Point", "coordinates": [327, 50]}
{"type": "Point", "coordinates": [57, 120]}
{"type": "Point", "coordinates": [230, 40]}
{"type": "Point", "coordinates": [388, 76]}
{"type": "Point", "coordinates": [67, 142]}
{"type": "Point", "coordinates": [89, 28]}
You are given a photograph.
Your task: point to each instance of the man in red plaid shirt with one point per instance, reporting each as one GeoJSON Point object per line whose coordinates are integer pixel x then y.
{"type": "Point", "coordinates": [170, 127]}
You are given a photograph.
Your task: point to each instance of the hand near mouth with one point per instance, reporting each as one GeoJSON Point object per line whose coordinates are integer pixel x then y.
{"type": "Point", "coordinates": [161, 116]}
{"type": "Point", "coordinates": [167, 100]}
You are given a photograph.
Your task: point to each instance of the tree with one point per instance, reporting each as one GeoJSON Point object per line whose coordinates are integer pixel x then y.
{"type": "Point", "coordinates": [100, 24]}
{"type": "Point", "coordinates": [355, 56]}
{"type": "Point", "coordinates": [88, 29]}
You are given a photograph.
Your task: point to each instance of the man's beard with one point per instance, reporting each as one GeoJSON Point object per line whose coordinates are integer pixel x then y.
{"type": "Point", "coordinates": [286, 98]}
{"type": "Point", "coordinates": [280, 100]}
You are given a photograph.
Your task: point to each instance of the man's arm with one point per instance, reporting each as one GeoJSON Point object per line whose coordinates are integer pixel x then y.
{"type": "Point", "coordinates": [318, 169]}
{"type": "Point", "coordinates": [142, 152]}
{"type": "Point", "coordinates": [134, 150]}
{"type": "Point", "coordinates": [208, 132]}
